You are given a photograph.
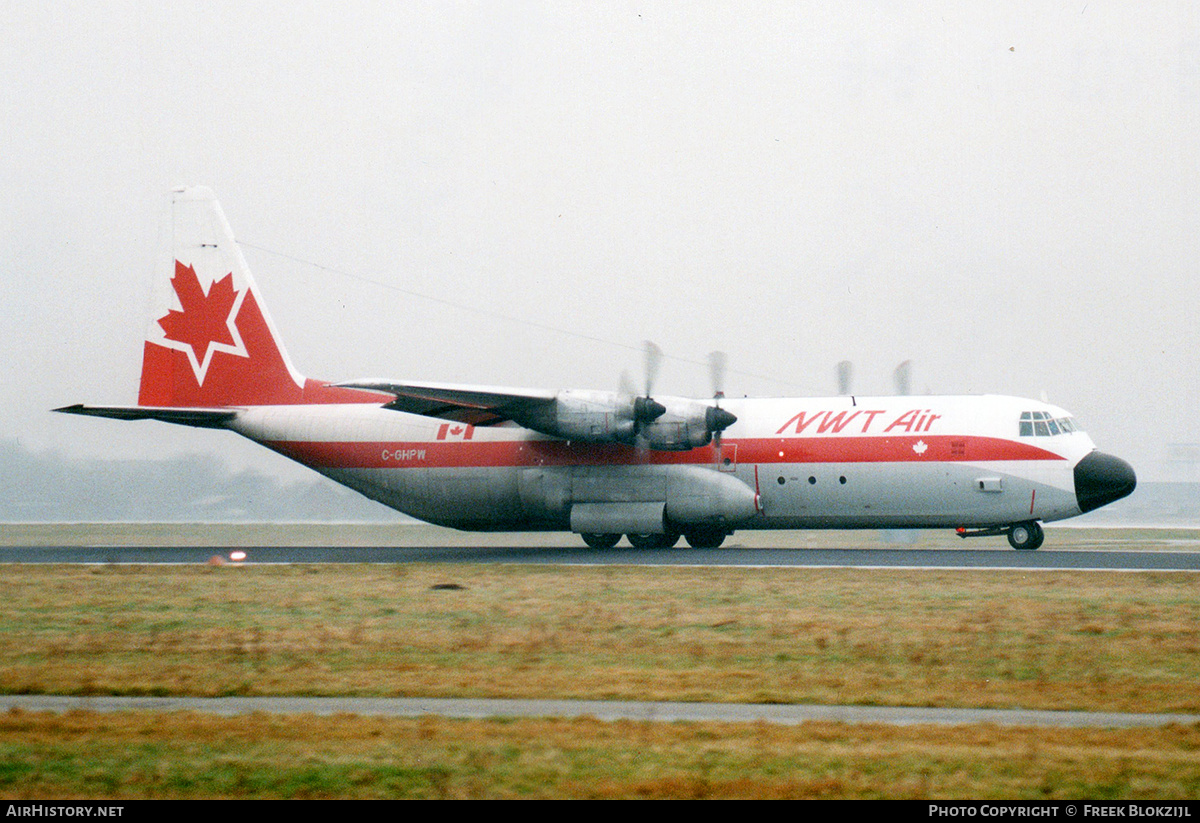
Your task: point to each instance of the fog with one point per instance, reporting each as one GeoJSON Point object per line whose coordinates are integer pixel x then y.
{"type": "Point", "coordinates": [520, 193]}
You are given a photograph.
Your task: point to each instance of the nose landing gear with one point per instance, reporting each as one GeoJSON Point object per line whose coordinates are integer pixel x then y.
{"type": "Point", "coordinates": [1024, 537]}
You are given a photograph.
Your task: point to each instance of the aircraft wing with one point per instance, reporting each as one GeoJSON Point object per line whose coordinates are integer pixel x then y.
{"type": "Point", "coordinates": [476, 405]}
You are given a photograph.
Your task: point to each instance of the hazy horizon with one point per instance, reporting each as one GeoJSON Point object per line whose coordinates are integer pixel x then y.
{"type": "Point", "coordinates": [519, 194]}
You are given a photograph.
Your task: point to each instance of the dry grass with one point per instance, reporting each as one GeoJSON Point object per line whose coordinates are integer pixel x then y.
{"type": "Point", "coordinates": [1118, 642]}
{"type": "Point", "coordinates": [135, 755]}
{"type": "Point", "coordinates": [972, 638]}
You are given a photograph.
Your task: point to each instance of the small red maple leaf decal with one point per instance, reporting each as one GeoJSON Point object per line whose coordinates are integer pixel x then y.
{"type": "Point", "coordinates": [204, 321]}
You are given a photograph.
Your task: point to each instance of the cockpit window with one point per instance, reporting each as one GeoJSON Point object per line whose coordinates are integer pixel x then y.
{"type": "Point", "coordinates": [1041, 424]}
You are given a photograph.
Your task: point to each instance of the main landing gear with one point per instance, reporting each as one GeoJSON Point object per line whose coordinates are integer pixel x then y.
{"type": "Point", "coordinates": [705, 537]}
{"type": "Point", "coordinates": [698, 538]}
{"type": "Point", "coordinates": [1025, 537]}
{"type": "Point", "coordinates": [653, 541]}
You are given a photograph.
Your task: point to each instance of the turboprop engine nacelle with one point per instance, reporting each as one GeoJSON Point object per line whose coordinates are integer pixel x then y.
{"type": "Point", "coordinates": [584, 416]}
{"type": "Point", "coordinates": [685, 425]}
{"type": "Point", "coordinates": [607, 417]}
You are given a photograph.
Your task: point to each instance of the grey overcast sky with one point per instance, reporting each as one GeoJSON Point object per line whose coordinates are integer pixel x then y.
{"type": "Point", "coordinates": [1006, 194]}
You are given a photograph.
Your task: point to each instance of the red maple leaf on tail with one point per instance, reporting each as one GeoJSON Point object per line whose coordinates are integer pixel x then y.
{"type": "Point", "coordinates": [204, 321]}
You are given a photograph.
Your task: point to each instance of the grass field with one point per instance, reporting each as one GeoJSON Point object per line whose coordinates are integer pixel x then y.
{"type": "Point", "coordinates": [1052, 640]}
{"type": "Point", "coordinates": [1043, 640]}
{"type": "Point", "coordinates": [136, 755]}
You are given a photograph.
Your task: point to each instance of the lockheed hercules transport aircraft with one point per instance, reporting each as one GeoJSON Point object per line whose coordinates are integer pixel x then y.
{"type": "Point", "coordinates": [603, 464]}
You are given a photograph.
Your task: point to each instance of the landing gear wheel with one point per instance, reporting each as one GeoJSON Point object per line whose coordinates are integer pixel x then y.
{"type": "Point", "coordinates": [653, 541]}
{"type": "Point", "coordinates": [705, 537]}
{"type": "Point", "coordinates": [1026, 536]}
{"type": "Point", "coordinates": [600, 541]}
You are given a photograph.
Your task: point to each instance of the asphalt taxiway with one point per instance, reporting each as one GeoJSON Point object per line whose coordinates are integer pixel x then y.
{"type": "Point", "coordinates": [609, 710]}
{"type": "Point", "coordinates": [910, 558]}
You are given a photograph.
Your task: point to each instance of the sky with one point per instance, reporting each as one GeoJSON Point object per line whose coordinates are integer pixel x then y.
{"type": "Point", "coordinates": [520, 193]}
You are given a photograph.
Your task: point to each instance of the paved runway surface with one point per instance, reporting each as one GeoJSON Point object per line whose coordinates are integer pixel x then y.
{"type": "Point", "coordinates": [599, 709]}
{"type": "Point", "coordinates": [1114, 560]}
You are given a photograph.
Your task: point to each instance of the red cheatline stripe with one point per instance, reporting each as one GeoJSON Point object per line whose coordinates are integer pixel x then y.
{"type": "Point", "coordinates": [492, 454]}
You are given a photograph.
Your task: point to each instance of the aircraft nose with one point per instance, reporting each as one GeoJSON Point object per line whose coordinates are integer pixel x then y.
{"type": "Point", "coordinates": [1100, 479]}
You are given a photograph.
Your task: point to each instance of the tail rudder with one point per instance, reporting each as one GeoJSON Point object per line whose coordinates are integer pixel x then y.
{"type": "Point", "coordinates": [211, 342]}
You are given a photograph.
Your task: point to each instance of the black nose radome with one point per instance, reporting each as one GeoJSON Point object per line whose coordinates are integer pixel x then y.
{"type": "Point", "coordinates": [1100, 479]}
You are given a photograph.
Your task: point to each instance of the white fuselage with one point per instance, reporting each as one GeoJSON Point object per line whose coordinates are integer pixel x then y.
{"type": "Point", "coordinates": [836, 462]}
{"type": "Point", "coordinates": [602, 464]}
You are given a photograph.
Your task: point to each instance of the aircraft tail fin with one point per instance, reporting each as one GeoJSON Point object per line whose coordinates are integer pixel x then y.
{"type": "Point", "coordinates": [211, 342]}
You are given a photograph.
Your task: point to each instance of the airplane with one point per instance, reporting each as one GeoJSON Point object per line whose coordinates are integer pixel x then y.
{"type": "Point", "coordinates": [603, 464]}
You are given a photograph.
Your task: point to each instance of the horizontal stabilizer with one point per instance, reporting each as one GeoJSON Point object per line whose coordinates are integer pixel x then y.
{"type": "Point", "coordinates": [477, 405]}
{"type": "Point", "coordinates": [202, 418]}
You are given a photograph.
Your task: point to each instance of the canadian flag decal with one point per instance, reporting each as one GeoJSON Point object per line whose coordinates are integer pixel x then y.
{"type": "Point", "coordinates": [206, 324]}
{"type": "Point", "coordinates": [455, 431]}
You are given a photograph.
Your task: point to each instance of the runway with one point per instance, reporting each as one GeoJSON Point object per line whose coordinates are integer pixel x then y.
{"type": "Point", "coordinates": [877, 558]}
{"type": "Point", "coordinates": [607, 710]}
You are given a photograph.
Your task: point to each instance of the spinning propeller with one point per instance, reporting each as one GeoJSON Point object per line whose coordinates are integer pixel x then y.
{"type": "Point", "coordinates": [683, 427]}
{"type": "Point", "coordinates": [901, 378]}
{"type": "Point", "coordinates": [716, 419]}
{"type": "Point", "coordinates": [644, 408]}
{"type": "Point", "coordinates": [845, 374]}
